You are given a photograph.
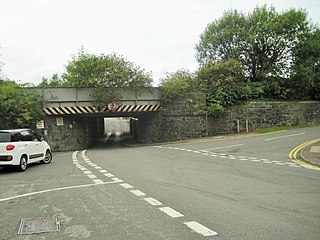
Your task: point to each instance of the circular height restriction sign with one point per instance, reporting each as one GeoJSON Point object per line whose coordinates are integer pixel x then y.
{"type": "Point", "coordinates": [112, 106]}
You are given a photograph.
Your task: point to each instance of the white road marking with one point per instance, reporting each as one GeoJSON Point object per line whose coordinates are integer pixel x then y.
{"type": "Point", "coordinates": [171, 212]}
{"type": "Point", "coordinates": [126, 185]}
{"type": "Point", "coordinates": [230, 146]}
{"type": "Point", "coordinates": [97, 181]}
{"type": "Point", "coordinates": [138, 193]}
{"type": "Point", "coordinates": [92, 176]}
{"type": "Point", "coordinates": [87, 172]}
{"type": "Point", "coordinates": [109, 175]}
{"type": "Point", "coordinates": [98, 167]}
{"type": "Point", "coordinates": [242, 158]}
{"type": "Point", "coordinates": [50, 190]}
{"type": "Point", "coordinates": [198, 228]}
{"type": "Point", "coordinates": [286, 136]}
{"type": "Point", "coordinates": [153, 201]}
{"type": "Point", "coordinates": [280, 164]}
{"type": "Point", "coordinates": [117, 179]}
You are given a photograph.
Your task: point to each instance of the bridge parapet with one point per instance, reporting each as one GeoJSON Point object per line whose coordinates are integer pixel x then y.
{"type": "Point", "coordinates": [77, 97]}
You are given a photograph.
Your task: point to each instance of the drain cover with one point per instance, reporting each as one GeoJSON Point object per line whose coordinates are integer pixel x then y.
{"type": "Point", "coordinates": [39, 225]}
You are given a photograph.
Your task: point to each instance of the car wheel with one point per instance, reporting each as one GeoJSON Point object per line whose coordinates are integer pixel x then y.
{"type": "Point", "coordinates": [23, 164]}
{"type": "Point", "coordinates": [47, 158]}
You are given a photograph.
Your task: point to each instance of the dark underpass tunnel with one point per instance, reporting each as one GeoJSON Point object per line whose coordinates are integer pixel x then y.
{"type": "Point", "coordinates": [117, 131]}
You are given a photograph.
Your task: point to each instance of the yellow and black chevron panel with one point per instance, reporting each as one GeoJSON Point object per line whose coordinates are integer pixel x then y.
{"type": "Point", "coordinates": [69, 110]}
{"type": "Point", "coordinates": [55, 111]}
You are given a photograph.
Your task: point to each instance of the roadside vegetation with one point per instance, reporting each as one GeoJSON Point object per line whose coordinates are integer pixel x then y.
{"type": "Point", "coordinates": [261, 55]}
{"type": "Point", "coordinates": [282, 128]}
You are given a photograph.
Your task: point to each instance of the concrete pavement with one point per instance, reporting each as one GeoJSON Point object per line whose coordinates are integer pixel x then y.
{"type": "Point", "coordinates": [311, 153]}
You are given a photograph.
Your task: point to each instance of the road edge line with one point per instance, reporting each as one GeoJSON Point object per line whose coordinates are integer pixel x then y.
{"type": "Point", "coordinates": [299, 149]}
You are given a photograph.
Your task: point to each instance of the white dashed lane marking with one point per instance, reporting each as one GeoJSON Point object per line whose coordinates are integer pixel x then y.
{"type": "Point", "coordinates": [87, 172]}
{"type": "Point", "coordinates": [126, 185]}
{"type": "Point", "coordinates": [138, 193]}
{"type": "Point", "coordinates": [171, 212]}
{"type": "Point", "coordinates": [208, 153]}
{"type": "Point", "coordinates": [194, 226]}
{"type": "Point", "coordinates": [109, 175]}
{"type": "Point", "coordinates": [153, 201]}
{"type": "Point", "coordinates": [198, 228]}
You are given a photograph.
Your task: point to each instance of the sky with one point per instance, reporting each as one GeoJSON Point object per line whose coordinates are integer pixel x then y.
{"type": "Point", "coordinates": [39, 37]}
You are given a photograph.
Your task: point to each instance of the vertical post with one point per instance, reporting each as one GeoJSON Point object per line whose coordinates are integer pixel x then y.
{"type": "Point", "coordinates": [247, 125]}
{"type": "Point", "coordinates": [207, 131]}
{"type": "Point", "coordinates": [238, 125]}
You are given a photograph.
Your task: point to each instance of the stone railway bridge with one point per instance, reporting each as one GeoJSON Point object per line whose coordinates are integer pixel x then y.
{"type": "Point", "coordinates": [71, 122]}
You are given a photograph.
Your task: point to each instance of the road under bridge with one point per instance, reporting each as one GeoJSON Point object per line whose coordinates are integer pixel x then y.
{"type": "Point", "coordinates": [73, 122]}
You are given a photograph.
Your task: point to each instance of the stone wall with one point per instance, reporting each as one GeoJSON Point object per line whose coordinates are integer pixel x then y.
{"type": "Point", "coordinates": [179, 121]}
{"type": "Point", "coordinates": [175, 122]}
{"type": "Point", "coordinates": [255, 115]}
{"type": "Point", "coordinates": [74, 134]}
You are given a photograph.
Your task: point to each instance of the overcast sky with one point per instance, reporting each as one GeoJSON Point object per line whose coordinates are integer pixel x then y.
{"type": "Point", "coordinates": [38, 37]}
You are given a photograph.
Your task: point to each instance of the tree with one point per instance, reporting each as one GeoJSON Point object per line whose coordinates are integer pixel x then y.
{"type": "Point", "coordinates": [264, 41]}
{"type": "Point", "coordinates": [225, 84]}
{"type": "Point", "coordinates": [306, 68]}
{"type": "Point", "coordinates": [89, 70]}
{"type": "Point", "coordinates": [54, 81]}
{"type": "Point", "coordinates": [183, 85]}
{"type": "Point", "coordinates": [104, 72]}
{"type": "Point", "coordinates": [19, 108]}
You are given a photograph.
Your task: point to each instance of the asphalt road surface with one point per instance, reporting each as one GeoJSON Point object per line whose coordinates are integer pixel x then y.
{"type": "Point", "coordinates": [231, 188]}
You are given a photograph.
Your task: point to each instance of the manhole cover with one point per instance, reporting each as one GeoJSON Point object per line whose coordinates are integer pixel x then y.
{"type": "Point", "coordinates": [39, 225]}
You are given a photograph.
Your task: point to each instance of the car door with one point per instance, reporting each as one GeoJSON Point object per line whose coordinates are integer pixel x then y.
{"type": "Point", "coordinates": [39, 147]}
{"type": "Point", "coordinates": [29, 145]}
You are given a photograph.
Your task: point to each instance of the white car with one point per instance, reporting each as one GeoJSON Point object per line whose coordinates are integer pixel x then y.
{"type": "Point", "coordinates": [20, 147]}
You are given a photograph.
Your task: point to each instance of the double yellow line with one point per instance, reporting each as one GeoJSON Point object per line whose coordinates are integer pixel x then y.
{"type": "Point", "coordinates": [293, 154]}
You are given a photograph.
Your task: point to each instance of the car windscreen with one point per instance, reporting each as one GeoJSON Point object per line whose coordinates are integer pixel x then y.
{"type": "Point", "coordinates": [5, 137]}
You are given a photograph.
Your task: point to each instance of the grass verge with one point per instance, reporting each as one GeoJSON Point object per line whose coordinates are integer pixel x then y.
{"type": "Point", "coordinates": [282, 128]}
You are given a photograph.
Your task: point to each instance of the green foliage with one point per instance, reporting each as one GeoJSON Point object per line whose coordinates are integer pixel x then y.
{"type": "Point", "coordinates": [225, 83]}
{"type": "Point", "coordinates": [102, 96]}
{"type": "Point", "coordinates": [253, 90]}
{"type": "Point", "coordinates": [19, 108]}
{"type": "Point", "coordinates": [103, 73]}
{"type": "Point", "coordinates": [89, 70]}
{"type": "Point", "coordinates": [215, 108]}
{"type": "Point", "coordinates": [183, 85]}
{"type": "Point", "coordinates": [54, 81]}
{"type": "Point", "coordinates": [305, 80]}
{"type": "Point", "coordinates": [272, 48]}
